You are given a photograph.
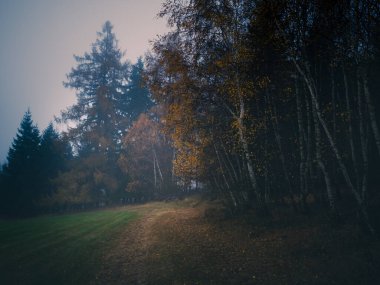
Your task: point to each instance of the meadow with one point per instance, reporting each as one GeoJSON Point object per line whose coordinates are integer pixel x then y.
{"type": "Point", "coordinates": [189, 241]}
{"type": "Point", "coordinates": [62, 249]}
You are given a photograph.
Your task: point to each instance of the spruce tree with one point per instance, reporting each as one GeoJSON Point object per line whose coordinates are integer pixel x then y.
{"type": "Point", "coordinates": [100, 80]}
{"type": "Point", "coordinates": [22, 172]}
{"type": "Point", "coordinates": [100, 117]}
{"type": "Point", "coordinates": [54, 152]}
{"type": "Point", "coordinates": [139, 99]}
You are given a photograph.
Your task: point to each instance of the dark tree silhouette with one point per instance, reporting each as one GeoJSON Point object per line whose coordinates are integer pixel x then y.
{"type": "Point", "coordinates": [110, 96]}
{"type": "Point", "coordinates": [54, 154]}
{"type": "Point", "coordinates": [21, 173]}
{"type": "Point", "coordinates": [100, 80]}
{"type": "Point", "coordinates": [138, 99]}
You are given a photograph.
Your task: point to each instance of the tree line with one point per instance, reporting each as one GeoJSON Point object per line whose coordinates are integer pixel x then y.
{"type": "Point", "coordinates": [33, 160]}
{"type": "Point", "coordinates": [261, 103]}
{"type": "Point", "coordinates": [106, 152]}
{"type": "Point", "coordinates": [273, 101]}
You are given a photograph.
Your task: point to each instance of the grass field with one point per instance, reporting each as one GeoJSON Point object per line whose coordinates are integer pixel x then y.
{"type": "Point", "coordinates": [65, 249]}
{"type": "Point", "coordinates": [191, 241]}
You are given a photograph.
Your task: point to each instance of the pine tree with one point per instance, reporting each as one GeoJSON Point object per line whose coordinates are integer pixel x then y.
{"type": "Point", "coordinates": [54, 152]}
{"type": "Point", "coordinates": [100, 80]}
{"type": "Point", "coordinates": [110, 95]}
{"type": "Point", "coordinates": [22, 173]}
{"type": "Point", "coordinates": [138, 97]}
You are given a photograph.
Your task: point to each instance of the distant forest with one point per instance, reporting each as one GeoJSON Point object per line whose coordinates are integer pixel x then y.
{"type": "Point", "coordinates": [261, 104]}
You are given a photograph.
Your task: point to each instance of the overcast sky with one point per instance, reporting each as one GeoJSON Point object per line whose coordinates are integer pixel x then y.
{"type": "Point", "coordinates": [38, 39]}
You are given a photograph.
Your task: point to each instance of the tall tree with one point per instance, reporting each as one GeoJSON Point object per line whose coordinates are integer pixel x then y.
{"type": "Point", "coordinates": [138, 98]}
{"type": "Point", "coordinates": [54, 153]}
{"type": "Point", "coordinates": [110, 96]}
{"type": "Point", "coordinates": [100, 80]}
{"type": "Point", "coordinates": [203, 64]}
{"type": "Point", "coordinates": [22, 173]}
{"type": "Point", "coordinates": [283, 91]}
{"type": "Point", "coordinates": [146, 158]}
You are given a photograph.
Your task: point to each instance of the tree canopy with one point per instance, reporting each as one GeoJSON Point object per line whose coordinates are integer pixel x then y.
{"type": "Point", "coordinates": [277, 96]}
{"type": "Point", "coordinates": [100, 80]}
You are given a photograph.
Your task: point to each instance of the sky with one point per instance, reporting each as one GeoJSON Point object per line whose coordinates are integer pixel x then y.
{"type": "Point", "coordinates": [38, 39]}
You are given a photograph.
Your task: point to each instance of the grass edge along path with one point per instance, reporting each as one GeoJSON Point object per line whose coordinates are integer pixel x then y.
{"type": "Point", "coordinates": [63, 249]}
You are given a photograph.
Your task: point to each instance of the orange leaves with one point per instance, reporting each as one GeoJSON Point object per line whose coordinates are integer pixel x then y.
{"type": "Point", "coordinates": [191, 159]}
{"type": "Point", "coordinates": [143, 133]}
{"type": "Point", "coordinates": [263, 82]}
{"type": "Point", "coordinates": [147, 154]}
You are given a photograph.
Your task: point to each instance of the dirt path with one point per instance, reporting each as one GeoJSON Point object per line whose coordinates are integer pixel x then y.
{"type": "Point", "coordinates": [130, 261]}
{"type": "Point", "coordinates": [173, 243]}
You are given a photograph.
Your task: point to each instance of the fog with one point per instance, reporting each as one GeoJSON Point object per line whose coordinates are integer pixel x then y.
{"type": "Point", "coordinates": [38, 40]}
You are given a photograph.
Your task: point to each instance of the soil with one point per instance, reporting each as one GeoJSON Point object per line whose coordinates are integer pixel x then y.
{"type": "Point", "coordinates": [194, 242]}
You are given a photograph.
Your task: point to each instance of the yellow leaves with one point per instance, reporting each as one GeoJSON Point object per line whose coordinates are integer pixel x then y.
{"type": "Point", "coordinates": [191, 157]}
{"type": "Point", "coordinates": [220, 63]}
{"type": "Point", "coordinates": [142, 134]}
{"type": "Point", "coordinates": [236, 88]}
{"type": "Point", "coordinates": [235, 124]}
{"type": "Point", "coordinates": [263, 82]}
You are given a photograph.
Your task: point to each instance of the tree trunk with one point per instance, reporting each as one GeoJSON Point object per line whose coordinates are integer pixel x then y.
{"type": "Point", "coordinates": [321, 165]}
{"type": "Point", "coordinates": [158, 165]}
{"type": "Point", "coordinates": [251, 172]}
{"type": "Point", "coordinates": [371, 110]}
{"type": "Point", "coordinates": [364, 145]}
{"type": "Point", "coordinates": [240, 171]}
{"type": "Point", "coordinates": [154, 172]}
{"type": "Point", "coordinates": [311, 86]}
{"type": "Point", "coordinates": [334, 126]}
{"type": "Point", "coordinates": [301, 135]}
{"type": "Point", "coordinates": [309, 167]}
{"type": "Point", "coordinates": [229, 190]}
{"type": "Point", "coordinates": [350, 130]}
{"type": "Point", "coordinates": [173, 169]}
{"type": "Point", "coordinates": [231, 166]}
{"type": "Point", "coordinates": [246, 154]}
{"type": "Point", "coordinates": [277, 135]}
{"type": "Point", "coordinates": [266, 166]}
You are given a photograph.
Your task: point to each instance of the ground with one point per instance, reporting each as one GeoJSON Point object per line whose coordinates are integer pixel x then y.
{"type": "Point", "coordinates": [58, 249]}
{"type": "Point", "coordinates": [189, 241]}
{"type": "Point", "coordinates": [194, 242]}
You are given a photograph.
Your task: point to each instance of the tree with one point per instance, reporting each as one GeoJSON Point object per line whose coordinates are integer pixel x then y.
{"type": "Point", "coordinates": [147, 157]}
{"type": "Point", "coordinates": [90, 181]}
{"type": "Point", "coordinates": [22, 172]}
{"type": "Point", "coordinates": [322, 39]}
{"type": "Point", "coordinates": [54, 154]}
{"type": "Point", "coordinates": [138, 98]}
{"type": "Point", "coordinates": [100, 80]}
{"type": "Point", "coordinates": [99, 119]}
{"type": "Point", "coordinates": [202, 64]}
{"type": "Point", "coordinates": [278, 94]}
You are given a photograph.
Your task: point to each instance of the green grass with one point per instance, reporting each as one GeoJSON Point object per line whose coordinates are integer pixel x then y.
{"type": "Point", "coordinates": [64, 249]}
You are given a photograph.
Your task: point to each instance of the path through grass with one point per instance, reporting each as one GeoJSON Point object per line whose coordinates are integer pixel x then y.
{"type": "Point", "coordinates": [65, 249]}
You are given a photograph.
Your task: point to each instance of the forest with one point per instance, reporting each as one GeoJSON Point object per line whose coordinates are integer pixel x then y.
{"type": "Point", "coordinates": [261, 104]}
